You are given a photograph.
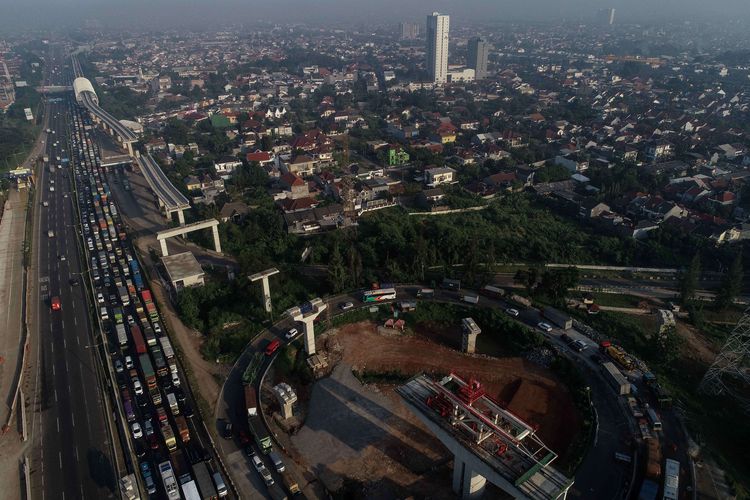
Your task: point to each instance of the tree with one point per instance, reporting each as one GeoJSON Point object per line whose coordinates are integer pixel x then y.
{"type": "Point", "coordinates": [555, 283]}
{"type": "Point", "coordinates": [336, 270]}
{"type": "Point", "coordinates": [731, 283]}
{"type": "Point", "coordinates": [689, 281]}
{"type": "Point", "coordinates": [528, 278]}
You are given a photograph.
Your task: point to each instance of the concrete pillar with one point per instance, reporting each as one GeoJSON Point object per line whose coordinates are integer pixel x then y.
{"type": "Point", "coordinates": [469, 343]}
{"type": "Point", "coordinates": [266, 292]}
{"type": "Point", "coordinates": [181, 220]}
{"type": "Point", "coordinates": [473, 486]}
{"type": "Point", "coordinates": [130, 148]}
{"type": "Point", "coordinates": [458, 474]}
{"type": "Point", "coordinates": [164, 249]}
{"type": "Point", "coordinates": [466, 482]}
{"type": "Point", "coordinates": [308, 330]}
{"type": "Point", "coordinates": [217, 247]}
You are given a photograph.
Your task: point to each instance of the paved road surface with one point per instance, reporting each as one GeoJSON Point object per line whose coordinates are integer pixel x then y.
{"type": "Point", "coordinates": [73, 458]}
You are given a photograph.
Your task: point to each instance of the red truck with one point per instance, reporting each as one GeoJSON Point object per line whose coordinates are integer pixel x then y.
{"type": "Point", "coordinates": [140, 345]}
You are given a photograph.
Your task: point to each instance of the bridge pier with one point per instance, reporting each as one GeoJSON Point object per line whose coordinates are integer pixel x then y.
{"type": "Point", "coordinates": [466, 482]}
{"type": "Point", "coordinates": [217, 242]}
{"type": "Point", "coordinates": [263, 276]}
{"type": "Point", "coordinates": [181, 220]}
{"type": "Point", "coordinates": [308, 322]}
{"type": "Point", "coordinates": [164, 249]}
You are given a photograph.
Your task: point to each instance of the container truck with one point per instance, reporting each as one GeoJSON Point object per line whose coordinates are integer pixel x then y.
{"type": "Point", "coordinates": [148, 302]}
{"type": "Point", "coordinates": [122, 336]}
{"type": "Point", "coordinates": [182, 428]}
{"type": "Point", "coordinates": [169, 440]}
{"type": "Point", "coordinates": [559, 318]}
{"type": "Point", "coordinates": [150, 335]}
{"type": "Point", "coordinates": [155, 396]}
{"type": "Point", "coordinates": [262, 439]}
{"type": "Point", "coordinates": [251, 401]}
{"type": "Point", "coordinates": [124, 295]}
{"type": "Point", "coordinates": [169, 480]}
{"type": "Point", "coordinates": [189, 489]}
{"type": "Point", "coordinates": [148, 371]}
{"type": "Point", "coordinates": [616, 379]}
{"type": "Point", "coordinates": [492, 291]}
{"type": "Point", "coordinates": [289, 483]}
{"type": "Point", "coordinates": [173, 406]}
{"type": "Point", "coordinates": [161, 365]}
{"type": "Point", "coordinates": [140, 345]}
{"type": "Point", "coordinates": [470, 298]}
{"type": "Point", "coordinates": [205, 485]}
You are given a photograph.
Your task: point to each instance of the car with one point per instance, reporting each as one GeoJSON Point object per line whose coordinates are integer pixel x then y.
{"type": "Point", "coordinates": [157, 328]}
{"type": "Point", "coordinates": [55, 303]}
{"type": "Point", "coordinates": [180, 395]}
{"type": "Point", "coordinates": [74, 281]}
{"type": "Point", "coordinates": [118, 366]}
{"type": "Point", "coordinates": [62, 257]}
{"type": "Point", "coordinates": [226, 433]}
{"type": "Point", "coordinates": [187, 410]}
{"type": "Point", "coordinates": [579, 345]}
{"type": "Point", "coordinates": [131, 320]}
{"type": "Point", "coordinates": [129, 362]}
{"type": "Point", "coordinates": [161, 414]}
{"type": "Point", "coordinates": [149, 427]}
{"type": "Point", "coordinates": [346, 306]}
{"type": "Point", "coordinates": [512, 312]}
{"type": "Point", "coordinates": [175, 379]}
{"type": "Point", "coordinates": [291, 333]}
{"type": "Point", "coordinates": [546, 327]}
{"type": "Point", "coordinates": [50, 234]}
{"type": "Point", "coordinates": [137, 431]}
{"type": "Point", "coordinates": [566, 338]}
{"type": "Point", "coordinates": [153, 441]}
{"type": "Point", "coordinates": [52, 189]}
{"type": "Point", "coordinates": [258, 463]}
{"type": "Point", "coordinates": [45, 203]}
{"type": "Point", "coordinates": [137, 386]}
{"type": "Point", "coordinates": [249, 452]}
{"type": "Point", "coordinates": [100, 298]}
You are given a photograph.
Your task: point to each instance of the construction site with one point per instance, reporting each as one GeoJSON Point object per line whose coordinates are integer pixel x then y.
{"type": "Point", "coordinates": [367, 427]}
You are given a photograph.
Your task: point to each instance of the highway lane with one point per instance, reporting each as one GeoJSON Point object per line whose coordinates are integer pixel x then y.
{"type": "Point", "coordinates": [74, 441]}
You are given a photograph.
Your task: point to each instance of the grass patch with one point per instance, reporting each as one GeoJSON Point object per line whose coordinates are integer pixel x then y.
{"type": "Point", "coordinates": [392, 377]}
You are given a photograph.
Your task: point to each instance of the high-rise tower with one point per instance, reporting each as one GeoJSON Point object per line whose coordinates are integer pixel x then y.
{"type": "Point", "coordinates": [438, 26]}
{"type": "Point", "coordinates": [477, 59]}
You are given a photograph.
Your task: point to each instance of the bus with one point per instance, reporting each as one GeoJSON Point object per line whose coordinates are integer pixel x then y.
{"type": "Point", "coordinates": [654, 418]}
{"type": "Point", "coordinates": [379, 295]}
{"type": "Point", "coordinates": [671, 479]}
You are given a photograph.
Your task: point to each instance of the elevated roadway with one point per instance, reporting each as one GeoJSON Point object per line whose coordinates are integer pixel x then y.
{"type": "Point", "coordinates": [170, 199]}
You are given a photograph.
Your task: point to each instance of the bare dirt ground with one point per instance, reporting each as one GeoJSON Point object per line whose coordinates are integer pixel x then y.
{"type": "Point", "coordinates": [696, 347]}
{"type": "Point", "coordinates": [367, 434]}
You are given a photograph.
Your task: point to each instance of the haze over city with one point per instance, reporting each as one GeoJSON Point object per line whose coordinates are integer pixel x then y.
{"type": "Point", "coordinates": [352, 249]}
{"type": "Point", "coordinates": [196, 13]}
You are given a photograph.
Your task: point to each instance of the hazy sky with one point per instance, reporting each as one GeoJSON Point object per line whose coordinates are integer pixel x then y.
{"type": "Point", "coordinates": [43, 13]}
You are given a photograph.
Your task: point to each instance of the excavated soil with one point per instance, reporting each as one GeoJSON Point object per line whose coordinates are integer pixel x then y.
{"type": "Point", "coordinates": [393, 453]}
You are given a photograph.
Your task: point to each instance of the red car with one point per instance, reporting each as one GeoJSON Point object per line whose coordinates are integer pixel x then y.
{"type": "Point", "coordinates": [272, 347]}
{"type": "Point", "coordinates": [55, 303]}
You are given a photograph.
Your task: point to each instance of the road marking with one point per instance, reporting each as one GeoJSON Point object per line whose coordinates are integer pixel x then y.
{"type": "Point", "coordinates": [58, 424]}
{"type": "Point", "coordinates": [59, 456]}
{"type": "Point", "coordinates": [73, 418]}
{"type": "Point", "coordinates": [75, 321]}
{"type": "Point", "coordinates": [55, 395]}
{"type": "Point", "coordinates": [78, 340]}
{"type": "Point", "coordinates": [65, 343]}
{"type": "Point", "coordinates": [53, 369]}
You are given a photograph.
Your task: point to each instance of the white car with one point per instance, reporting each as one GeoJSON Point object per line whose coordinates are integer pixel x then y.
{"type": "Point", "coordinates": [544, 326]}
{"type": "Point", "coordinates": [346, 306]}
{"type": "Point", "coordinates": [175, 379]}
{"type": "Point", "coordinates": [291, 333]}
{"type": "Point", "coordinates": [100, 298]}
{"type": "Point", "coordinates": [512, 312]}
{"type": "Point", "coordinates": [137, 431]}
{"type": "Point", "coordinates": [45, 203]}
{"type": "Point", "coordinates": [128, 362]}
{"type": "Point", "coordinates": [157, 328]}
{"type": "Point", "coordinates": [137, 386]}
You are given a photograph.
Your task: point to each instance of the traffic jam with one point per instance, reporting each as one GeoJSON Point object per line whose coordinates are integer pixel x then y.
{"type": "Point", "coordinates": [172, 459]}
